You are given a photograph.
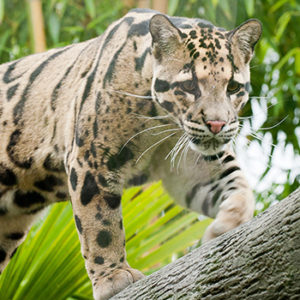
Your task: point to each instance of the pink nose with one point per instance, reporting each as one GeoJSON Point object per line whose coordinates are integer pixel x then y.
{"type": "Point", "coordinates": [215, 126]}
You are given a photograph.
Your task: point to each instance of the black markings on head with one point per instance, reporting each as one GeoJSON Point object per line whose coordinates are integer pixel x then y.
{"type": "Point", "coordinates": [112, 200]}
{"type": "Point", "coordinates": [122, 259]}
{"type": "Point", "coordinates": [7, 176]}
{"type": "Point", "coordinates": [118, 160]}
{"type": "Point", "coordinates": [78, 224]}
{"type": "Point", "coordinates": [49, 183]}
{"type": "Point", "coordinates": [89, 189]}
{"type": "Point", "coordinates": [14, 235]}
{"type": "Point", "coordinates": [99, 260]}
{"type": "Point", "coordinates": [104, 238]}
{"type": "Point", "coordinates": [28, 199]}
{"type": "Point", "coordinates": [241, 94]}
{"type": "Point", "coordinates": [161, 86]}
{"type": "Point", "coordinates": [169, 106]}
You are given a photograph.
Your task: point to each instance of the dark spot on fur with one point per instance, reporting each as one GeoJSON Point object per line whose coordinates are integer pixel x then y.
{"type": "Point", "coordinates": [61, 195]}
{"type": "Point", "coordinates": [73, 179]}
{"type": "Point", "coordinates": [102, 180]}
{"type": "Point", "coordinates": [161, 86]}
{"type": "Point", "coordinates": [28, 199]}
{"type": "Point", "coordinates": [99, 260]}
{"type": "Point", "coordinates": [138, 180]}
{"type": "Point", "coordinates": [78, 224]}
{"type": "Point", "coordinates": [106, 222]}
{"type": "Point", "coordinates": [229, 171]}
{"type": "Point", "coordinates": [112, 200]}
{"type": "Point", "coordinates": [228, 159]}
{"type": "Point", "coordinates": [50, 165]}
{"type": "Point", "coordinates": [11, 91]}
{"type": "Point", "coordinates": [14, 235]}
{"type": "Point", "coordinates": [14, 140]}
{"type": "Point", "coordinates": [216, 196]}
{"type": "Point", "coordinates": [2, 255]}
{"type": "Point", "coordinates": [118, 160]}
{"type": "Point", "coordinates": [7, 176]}
{"type": "Point", "coordinates": [104, 238]}
{"type": "Point", "coordinates": [169, 106]}
{"type": "Point", "coordinates": [3, 211]}
{"type": "Point", "coordinates": [89, 189]}
{"type": "Point", "coordinates": [98, 216]}
{"type": "Point", "coordinates": [49, 183]}
{"type": "Point", "coordinates": [190, 196]}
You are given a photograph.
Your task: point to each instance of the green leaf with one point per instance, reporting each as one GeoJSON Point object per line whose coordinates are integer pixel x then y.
{"type": "Point", "coordinates": [282, 24]}
{"type": "Point", "coordinates": [250, 5]}
{"type": "Point", "coordinates": [2, 10]}
{"type": "Point", "coordinates": [90, 7]}
{"type": "Point", "coordinates": [54, 27]}
{"type": "Point", "coordinates": [173, 4]}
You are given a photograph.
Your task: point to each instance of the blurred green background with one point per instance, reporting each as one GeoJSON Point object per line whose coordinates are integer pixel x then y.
{"type": "Point", "coordinates": [49, 264]}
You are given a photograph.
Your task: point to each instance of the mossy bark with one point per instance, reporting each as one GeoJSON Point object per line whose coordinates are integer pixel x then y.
{"type": "Point", "coordinates": [258, 260]}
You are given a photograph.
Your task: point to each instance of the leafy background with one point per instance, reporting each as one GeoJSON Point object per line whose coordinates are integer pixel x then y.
{"type": "Point", "coordinates": [49, 265]}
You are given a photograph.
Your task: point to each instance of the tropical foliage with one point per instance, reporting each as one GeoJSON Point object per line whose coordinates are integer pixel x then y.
{"type": "Point", "coordinates": [49, 265]}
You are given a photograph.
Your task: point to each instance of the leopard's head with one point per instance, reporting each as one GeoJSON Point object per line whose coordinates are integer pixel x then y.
{"type": "Point", "coordinates": [201, 77]}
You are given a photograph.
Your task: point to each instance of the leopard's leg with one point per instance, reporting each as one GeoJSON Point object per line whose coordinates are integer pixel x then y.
{"type": "Point", "coordinates": [97, 213]}
{"type": "Point", "coordinates": [215, 187]}
{"type": "Point", "coordinates": [18, 211]}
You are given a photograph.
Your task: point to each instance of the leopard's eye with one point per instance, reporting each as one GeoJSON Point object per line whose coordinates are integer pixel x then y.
{"type": "Point", "coordinates": [233, 87]}
{"type": "Point", "coordinates": [188, 85]}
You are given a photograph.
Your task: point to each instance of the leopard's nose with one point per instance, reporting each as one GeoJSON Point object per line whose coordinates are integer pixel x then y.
{"type": "Point", "coordinates": [215, 126]}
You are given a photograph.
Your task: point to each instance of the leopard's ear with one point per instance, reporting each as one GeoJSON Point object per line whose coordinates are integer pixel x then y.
{"type": "Point", "coordinates": [245, 37]}
{"type": "Point", "coordinates": [166, 37]}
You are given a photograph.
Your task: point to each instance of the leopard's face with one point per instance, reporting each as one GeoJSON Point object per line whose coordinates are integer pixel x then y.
{"type": "Point", "coordinates": [202, 79]}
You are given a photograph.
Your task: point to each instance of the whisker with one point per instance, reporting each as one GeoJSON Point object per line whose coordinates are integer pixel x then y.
{"type": "Point", "coordinates": [281, 121]}
{"type": "Point", "coordinates": [147, 129]}
{"type": "Point", "coordinates": [129, 94]}
{"type": "Point", "coordinates": [149, 148]}
{"type": "Point", "coordinates": [167, 130]}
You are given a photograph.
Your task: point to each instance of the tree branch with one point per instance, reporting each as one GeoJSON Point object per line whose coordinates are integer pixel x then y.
{"type": "Point", "coordinates": [258, 260]}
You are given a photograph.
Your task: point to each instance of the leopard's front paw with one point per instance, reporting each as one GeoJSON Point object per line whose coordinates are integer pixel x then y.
{"type": "Point", "coordinates": [115, 282]}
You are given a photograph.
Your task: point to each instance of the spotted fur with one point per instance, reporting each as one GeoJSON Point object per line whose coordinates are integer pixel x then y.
{"type": "Point", "coordinates": [152, 98]}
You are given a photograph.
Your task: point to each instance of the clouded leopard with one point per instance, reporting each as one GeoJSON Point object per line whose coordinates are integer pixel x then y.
{"type": "Point", "coordinates": [154, 97]}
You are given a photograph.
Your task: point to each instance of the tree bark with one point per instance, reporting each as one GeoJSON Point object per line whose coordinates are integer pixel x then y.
{"type": "Point", "coordinates": [258, 260]}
